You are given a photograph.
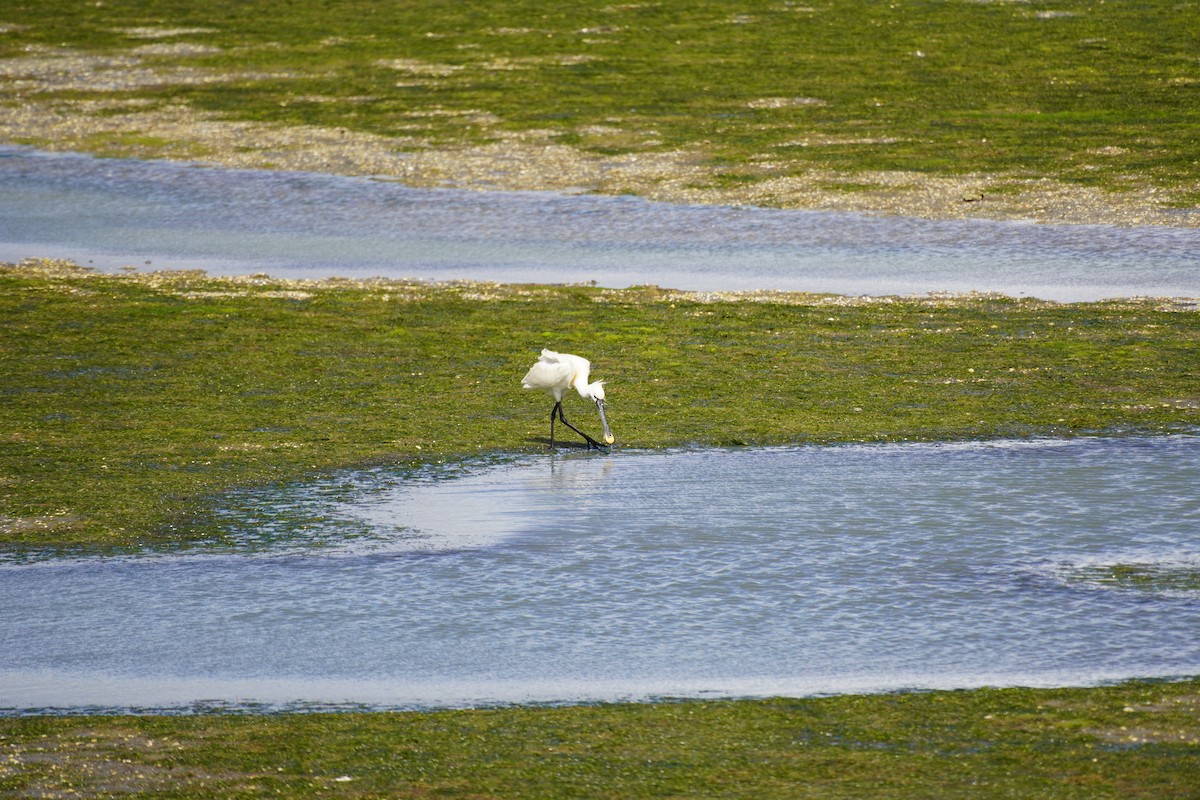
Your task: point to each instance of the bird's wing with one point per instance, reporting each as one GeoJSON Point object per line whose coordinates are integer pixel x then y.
{"type": "Point", "coordinates": [579, 365]}
{"type": "Point", "coordinates": [547, 374]}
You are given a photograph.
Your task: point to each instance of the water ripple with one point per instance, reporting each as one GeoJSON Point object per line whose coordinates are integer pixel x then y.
{"type": "Point", "coordinates": [114, 213]}
{"type": "Point", "coordinates": [611, 576]}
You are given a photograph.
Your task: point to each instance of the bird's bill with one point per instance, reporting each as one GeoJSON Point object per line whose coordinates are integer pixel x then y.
{"type": "Point", "coordinates": [608, 437]}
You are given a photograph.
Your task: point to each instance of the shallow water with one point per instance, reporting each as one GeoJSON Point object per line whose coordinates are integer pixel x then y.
{"type": "Point", "coordinates": [743, 572]}
{"type": "Point", "coordinates": [156, 215]}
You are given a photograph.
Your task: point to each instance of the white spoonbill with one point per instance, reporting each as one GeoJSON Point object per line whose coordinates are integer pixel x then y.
{"type": "Point", "coordinates": [557, 372]}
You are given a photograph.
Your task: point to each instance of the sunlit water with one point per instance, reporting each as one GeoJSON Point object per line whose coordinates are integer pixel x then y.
{"type": "Point", "coordinates": [630, 575]}
{"type": "Point", "coordinates": [156, 215]}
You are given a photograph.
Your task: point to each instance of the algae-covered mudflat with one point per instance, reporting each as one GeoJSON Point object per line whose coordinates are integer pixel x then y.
{"type": "Point", "coordinates": [133, 401]}
{"type": "Point", "coordinates": [1052, 109]}
{"type": "Point", "coordinates": [1131, 740]}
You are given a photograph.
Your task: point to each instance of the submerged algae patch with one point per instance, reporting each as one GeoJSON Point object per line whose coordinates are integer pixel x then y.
{"type": "Point", "coordinates": [1175, 577]}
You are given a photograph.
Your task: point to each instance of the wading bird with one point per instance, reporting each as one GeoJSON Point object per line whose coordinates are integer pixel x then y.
{"type": "Point", "coordinates": [557, 372]}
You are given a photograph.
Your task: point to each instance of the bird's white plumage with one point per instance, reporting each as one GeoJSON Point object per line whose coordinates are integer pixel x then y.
{"type": "Point", "coordinates": [557, 372]}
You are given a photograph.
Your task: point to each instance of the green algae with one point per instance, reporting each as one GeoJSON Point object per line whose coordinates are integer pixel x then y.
{"type": "Point", "coordinates": [1092, 95]}
{"type": "Point", "coordinates": [132, 401]}
{"type": "Point", "coordinates": [1129, 740]}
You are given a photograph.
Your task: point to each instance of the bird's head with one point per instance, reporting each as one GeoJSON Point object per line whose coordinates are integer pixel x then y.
{"type": "Point", "coordinates": [596, 392]}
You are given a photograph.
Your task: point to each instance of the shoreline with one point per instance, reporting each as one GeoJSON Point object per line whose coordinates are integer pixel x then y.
{"type": "Point", "coordinates": [531, 162]}
{"type": "Point", "coordinates": [253, 284]}
{"type": "Point", "coordinates": [269, 701]}
{"type": "Point", "coordinates": [1118, 740]}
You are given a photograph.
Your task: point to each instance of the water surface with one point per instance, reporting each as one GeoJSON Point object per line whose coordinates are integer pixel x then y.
{"type": "Point", "coordinates": [711, 573]}
{"type": "Point", "coordinates": [154, 215]}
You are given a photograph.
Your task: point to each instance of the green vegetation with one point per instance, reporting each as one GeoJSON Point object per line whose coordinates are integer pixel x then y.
{"type": "Point", "coordinates": [132, 400]}
{"type": "Point", "coordinates": [1143, 577]}
{"type": "Point", "coordinates": [1133, 740]}
{"type": "Point", "coordinates": [1092, 94]}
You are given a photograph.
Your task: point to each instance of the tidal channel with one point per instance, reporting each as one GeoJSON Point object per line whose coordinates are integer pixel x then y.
{"type": "Point", "coordinates": [149, 215]}
{"type": "Point", "coordinates": [633, 575]}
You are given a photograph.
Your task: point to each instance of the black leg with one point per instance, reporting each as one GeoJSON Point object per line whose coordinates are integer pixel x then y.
{"type": "Point", "coordinates": [591, 442]}
{"type": "Point", "coordinates": [557, 408]}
